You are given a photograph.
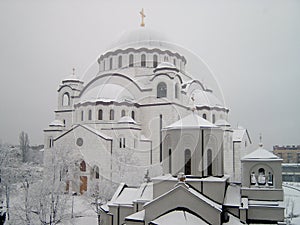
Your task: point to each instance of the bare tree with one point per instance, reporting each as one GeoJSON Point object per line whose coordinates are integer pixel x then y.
{"type": "Point", "coordinates": [24, 145]}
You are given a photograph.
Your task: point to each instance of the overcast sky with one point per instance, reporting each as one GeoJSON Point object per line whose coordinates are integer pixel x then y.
{"type": "Point", "coordinates": [252, 47]}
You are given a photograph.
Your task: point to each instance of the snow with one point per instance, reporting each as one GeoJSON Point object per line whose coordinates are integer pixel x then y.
{"type": "Point", "coordinates": [56, 123]}
{"type": "Point", "coordinates": [292, 199]}
{"type": "Point", "coordinates": [205, 199]}
{"type": "Point", "coordinates": [126, 197]}
{"type": "Point", "coordinates": [222, 122]}
{"type": "Point", "coordinates": [191, 121]}
{"type": "Point", "coordinates": [145, 192]}
{"type": "Point", "coordinates": [179, 217]}
{"type": "Point", "coordinates": [166, 65]}
{"type": "Point", "coordinates": [206, 98]}
{"type": "Point", "coordinates": [234, 220]}
{"type": "Point", "coordinates": [261, 154]}
{"type": "Point", "coordinates": [97, 132]}
{"type": "Point", "coordinates": [238, 134]}
{"type": "Point", "coordinates": [139, 216]}
{"type": "Point", "coordinates": [127, 119]}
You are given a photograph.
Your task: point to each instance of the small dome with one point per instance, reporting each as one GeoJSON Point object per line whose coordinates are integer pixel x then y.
{"type": "Point", "coordinates": [127, 119]}
{"type": "Point", "coordinates": [56, 123]}
{"type": "Point", "coordinates": [166, 66]}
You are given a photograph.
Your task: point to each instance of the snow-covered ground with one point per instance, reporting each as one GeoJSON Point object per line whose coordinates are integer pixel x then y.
{"type": "Point", "coordinates": [292, 201]}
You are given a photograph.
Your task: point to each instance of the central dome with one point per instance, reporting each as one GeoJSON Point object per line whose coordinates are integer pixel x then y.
{"type": "Point", "coordinates": [141, 37]}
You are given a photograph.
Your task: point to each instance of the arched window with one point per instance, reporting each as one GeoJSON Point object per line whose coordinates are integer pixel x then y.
{"type": "Point", "coordinates": [120, 61]}
{"type": "Point", "coordinates": [66, 99]}
{"type": "Point", "coordinates": [270, 179]}
{"type": "Point", "coordinates": [176, 91]}
{"type": "Point", "coordinates": [174, 62]}
{"type": "Point", "coordinates": [261, 179]}
{"type": "Point", "coordinates": [213, 118]}
{"type": "Point", "coordinates": [110, 63]}
{"type": "Point", "coordinates": [103, 65]}
{"type": "Point", "coordinates": [161, 90]}
{"type": "Point", "coordinates": [82, 166]}
{"type": "Point", "coordinates": [166, 59]}
{"type": "Point", "coordinates": [100, 114]}
{"type": "Point", "coordinates": [90, 114]}
{"type": "Point", "coordinates": [209, 162]}
{"type": "Point", "coordinates": [143, 60]}
{"type": "Point", "coordinates": [96, 172]}
{"type": "Point", "coordinates": [64, 121]}
{"type": "Point", "coordinates": [204, 115]}
{"type": "Point", "coordinates": [170, 161]}
{"type": "Point", "coordinates": [130, 60]}
{"type": "Point", "coordinates": [111, 114]}
{"type": "Point", "coordinates": [187, 162]}
{"type": "Point", "coordinates": [155, 61]}
{"type": "Point", "coordinates": [133, 115]}
{"type": "Point", "coordinates": [82, 115]}
{"type": "Point", "coordinates": [122, 113]}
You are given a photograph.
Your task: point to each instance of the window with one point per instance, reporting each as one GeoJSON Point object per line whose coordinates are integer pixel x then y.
{"type": "Point", "coordinates": [170, 161]}
{"type": "Point", "coordinates": [261, 176]}
{"type": "Point", "coordinates": [209, 162]}
{"type": "Point", "coordinates": [111, 114]}
{"type": "Point", "coordinates": [50, 142]}
{"type": "Point", "coordinates": [110, 63]}
{"type": "Point", "coordinates": [122, 142]}
{"type": "Point", "coordinates": [174, 62]}
{"type": "Point", "coordinates": [100, 114]}
{"type": "Point", "coordinates": [187, 162]}
{"type": "Point", "coordinates": [122, 113]}
{"type": "Point", "coordinates": [82, 166]}
{"type": "Point", "coordinates": [161, 90]}
{"type": "Point", "coordinates": [213, 118]}
{"type": "Point", "coordinates": [96, 171]}
{"type": "Point", "coordinates": [290, 157]}
{"type": "Point", "coordinates": [130, 60]}
{"type": "Point", "coordinates": [143, 60]}
{"type": "Point", "coordinates": [66, 99]}
{"type": "Point", "coordinates": [166, 59]}
{"type": "Point", "coordinates": [82, 115]}
{"type": "Point", "coordinates": [133, 115]}
{"type": "Point", "coordinates": [64, 121]}
{"type": "Point", "coordinates": [270, 179]}
{"type": "Point", "coordinates": [176, 91]}
{"type": "Point", "coordinates": [90, 114]}
{"type": "Point", "coordinates": [120, 61]}
{"type": "Point", "coordinates": [204, 116]}
{"type": "Point", "coordinates": [155, 61]}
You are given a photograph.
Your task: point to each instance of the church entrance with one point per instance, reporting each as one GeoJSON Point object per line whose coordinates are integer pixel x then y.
{"type": "Point", "coordinates": [83, 184]}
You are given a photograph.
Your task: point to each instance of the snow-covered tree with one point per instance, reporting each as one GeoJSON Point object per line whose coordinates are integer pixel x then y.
{"type": "Point", "coordinates": [24, 145]}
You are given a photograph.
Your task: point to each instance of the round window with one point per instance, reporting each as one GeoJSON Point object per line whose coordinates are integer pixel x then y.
{"type": "Point", "coordinates": [79, 141]}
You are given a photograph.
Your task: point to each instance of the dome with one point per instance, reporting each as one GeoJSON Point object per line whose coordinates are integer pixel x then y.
{"type": "Point", "coordinates": [206, 98]}
{"type": "Point", "coordinates": [141, 37]}
{"type": "Point", "coordinates": [107, 92]}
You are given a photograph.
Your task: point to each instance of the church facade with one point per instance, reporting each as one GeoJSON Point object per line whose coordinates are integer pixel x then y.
{"type": "Point", "coordinates": [142, 110]}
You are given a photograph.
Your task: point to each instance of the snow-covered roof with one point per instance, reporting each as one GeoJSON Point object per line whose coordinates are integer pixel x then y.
{"type": "Point", "coordinates": [71, 78]}
{"type": "Point", "coordinates": [56, 123]}
{"type": "Point", "coordinates": [191, 121]}
{"type": "Point", "coordinates": [261, 154]}
{"type": "Point", "coordinates": [222, 122]}
{"type": "Point", "coordinates": [166, 66]}
{"type": "Point", "coordinates": [179, 217]}
{"type": "Point", "coordinates": [238, 134]}
{"type": "Point", "coordinates": [97, 132]}
{"type": "Point", "coordinates": [126, 197]}
{"type": "Point", "coordinates": [107, 93]}
{"type": "Point", "coordinates": [138, 216]}
{"type": "Point", "coordinates": [127, 119]}
{"type": "Point", "coordinates": [145, 192]}
{"type": "Point", "coordinates": [206, 98]}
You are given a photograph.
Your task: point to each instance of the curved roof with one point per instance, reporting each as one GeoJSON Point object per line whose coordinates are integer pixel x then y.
{"type": "Point", "coordinates": [127, 119]}
{"type": "Point", "coordinates": [206, 98]}
{"type": "Point", "coordinates": [56, 123]}
{"type": "Point", "coordinates": [107, 92]}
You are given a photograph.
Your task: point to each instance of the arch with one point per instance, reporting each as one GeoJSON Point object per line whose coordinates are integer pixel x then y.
{"type": "Point", "coordinates": [143, 60]}
{"type": "Point", "coordinates": [261, 179]}
{"type": "Point", "coordinates": [204, 116]}
{"type": "Point", "coordinates": [90, 114]}
{"type": "Point", "coordinates": [120, 61]}
{"type": "Point", "coordinates": [100, 114]}
{"type": "Point", "coordinates": [161, 90]}
{"type": "Point", "coordinates": [111, 114]}
{"type": "Point", "coordinates": [155, 61]}
{"type": "Point", "coordinates": [176, 90]}
{"type": "Point", "coordinates": [110, 63]}
{"type": "Point", "coordinates": [209, 162]}
{"type": "Point", "coordinates": [122, 113]}
{"type": "Point", "coordinates": [187, 162]}
{"type": "Point", "coordinates": [213, 118]}
{"type": "Point", "coordinates": [82, 115]}
{"type": "Point", "coordinates": [133, 115]}
{"type": "Point", "coordinates": [82, 166]}
{"type": "Point", "coordinates": [66, 99]}
{"type": "Point", "coordinates": [131, 60]}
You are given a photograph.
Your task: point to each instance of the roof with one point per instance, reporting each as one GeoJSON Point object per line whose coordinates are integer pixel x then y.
{"type": "Point", "coordinates": [56, 123]}
{"type": "Point", "coordinates": [232, 196]}
{"type": "Point", "coordinates": [126, 197]}
{"type": "Point", "coordinates": [222, 122]}
{"type": "Point", "coordinates": [239, 133]}
{"type": "Point", "coordinates": [192, 121]}
{"type": "Point", "coordinates": [179, 217]}
{"type": "Point", "coordinates": [138, 216]}
{"type": "Point", "coordinates": [127, 119]}
{"type": "Point", "coordinates": [206, 98]}
{"type": "Point", "coordinates": [261, 154]}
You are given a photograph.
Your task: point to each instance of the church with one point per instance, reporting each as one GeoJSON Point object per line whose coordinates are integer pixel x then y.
{"type": "Point", "coordinates": [142, 111]}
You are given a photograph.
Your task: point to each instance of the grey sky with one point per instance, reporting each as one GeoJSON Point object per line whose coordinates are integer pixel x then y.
{"type": "Point", "coordinates": [253, 48]}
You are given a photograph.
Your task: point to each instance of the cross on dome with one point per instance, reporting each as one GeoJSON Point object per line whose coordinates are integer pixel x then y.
{"type": "Point", "coordinates": [260, 140]}
{"type": "Point", "coordinates": [143, 16]}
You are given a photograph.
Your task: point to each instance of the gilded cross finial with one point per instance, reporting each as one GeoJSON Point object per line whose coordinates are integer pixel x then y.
{"type": "Point", "coordinates": [143, 16]}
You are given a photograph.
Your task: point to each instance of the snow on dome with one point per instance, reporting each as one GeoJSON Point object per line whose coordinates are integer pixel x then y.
{"type": "Point", "coordinates": [261, 154]}
{"type": "Point", "coordinates": [206, 98]}
{"type": "Point", "coordinates": [166, 66]}
{"type": "Point", "coordinates": [107, 92]}
{"type": "Point", "coordinates": [56, 123]}
{"type": "Point", "coordinates": [191, 121]}
{"type": "Point", "coordinates": [127, 119]}
{"type": "Point", "coordinates": [139, 37]}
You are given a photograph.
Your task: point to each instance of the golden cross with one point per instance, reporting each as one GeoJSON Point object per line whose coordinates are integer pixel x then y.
{"type": "Point", "coordinates": [143, 16]}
